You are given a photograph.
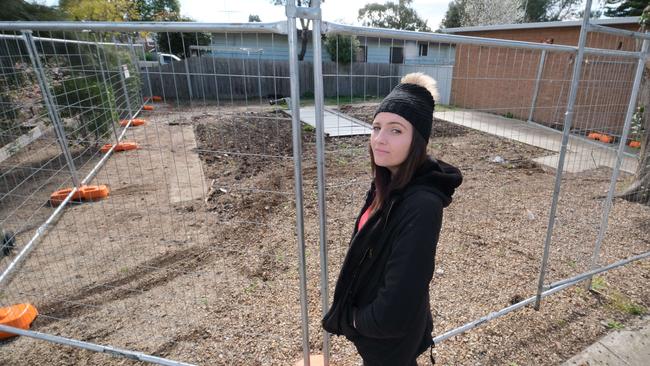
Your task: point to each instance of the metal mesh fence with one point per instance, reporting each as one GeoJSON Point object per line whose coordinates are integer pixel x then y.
{"type": "Point", "coordinates": [195, 245]}
{"type": "Point", "coordinates": [500, 119]}
{"type": "Point", "coordinates": [192, 256]}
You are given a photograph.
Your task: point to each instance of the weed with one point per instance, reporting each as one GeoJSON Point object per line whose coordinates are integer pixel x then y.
{"type": "Point", "coordinates": [308, 128]}
{"type": "Point", "coordinates": [623, 304]}
{"type": "Point", "coordinates": [613, 324]}
{"type": "Point", "coordinates": [598, 284]}
{"type": "Point", "coordinates": [250, 288]}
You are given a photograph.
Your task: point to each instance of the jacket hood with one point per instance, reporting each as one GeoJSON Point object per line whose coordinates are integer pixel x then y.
{"type": "Point", "coordinates": [437, 177]}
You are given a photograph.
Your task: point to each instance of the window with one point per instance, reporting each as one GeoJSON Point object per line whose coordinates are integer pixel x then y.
{"type": "Point", "coordinates": [396, 55]}
{"type": "Point", "coordinates": [362, 54]}
{"type": "Point", "coordinates": [424, 50]}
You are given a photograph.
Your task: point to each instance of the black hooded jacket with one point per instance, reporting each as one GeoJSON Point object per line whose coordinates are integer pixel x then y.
{"type": "Point", "coordinates": [383, 286]}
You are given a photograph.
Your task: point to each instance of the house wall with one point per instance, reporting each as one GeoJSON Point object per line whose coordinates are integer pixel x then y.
{"type": "Point", "coordinates": [502, 81]}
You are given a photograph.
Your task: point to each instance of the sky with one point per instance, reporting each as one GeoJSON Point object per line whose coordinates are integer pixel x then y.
{"type": "Point", "coordinates": [342, 11]}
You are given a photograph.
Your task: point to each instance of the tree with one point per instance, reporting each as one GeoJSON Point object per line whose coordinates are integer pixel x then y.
{"type": "Point", "coordinates": [342, 48]}
{"type": "Point", "coordinates": [254, 18]}
{"type": "Point", "coordinates": [179, 43]}
{"type": "Point", "coordinates": [100, 10]}
{"type": "Point", "coordinates": [549, 10]}
{"type": "Point", "coordinates": [157, 10]}
{"type": "Point", "coordinates": [392, 15]}
{"type": "Point", "coordinates": [490, 12]}
{"type": "Point", "coordinates": [304, 26]}
{"type": "Point", "coordinates": [454, 15]}
{"type": "Point", "coordinates": [21, 10]}
{"type": "Point", "coordinates": [625, 8]}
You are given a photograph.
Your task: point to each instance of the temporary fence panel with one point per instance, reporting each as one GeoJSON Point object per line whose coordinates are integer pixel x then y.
{"type": "Point", "coordinates": [503, 127]}
{"type": "Point", "coordinates": [192, 256]}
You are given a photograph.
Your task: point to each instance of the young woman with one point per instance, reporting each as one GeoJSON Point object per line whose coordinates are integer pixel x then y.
{"type": "Point", "coordinates": [381, 300]}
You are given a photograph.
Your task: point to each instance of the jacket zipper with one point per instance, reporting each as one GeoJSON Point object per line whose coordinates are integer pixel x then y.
{"type": "Point", "coordinates": [368, 250]}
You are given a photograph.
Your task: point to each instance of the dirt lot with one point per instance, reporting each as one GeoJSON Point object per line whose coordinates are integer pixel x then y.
{"type": "Point", "coordinates": [215, 281]}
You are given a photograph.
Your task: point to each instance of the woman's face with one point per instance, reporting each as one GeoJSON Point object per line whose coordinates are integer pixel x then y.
{"type": "Point", "coordinates": [390, 140]}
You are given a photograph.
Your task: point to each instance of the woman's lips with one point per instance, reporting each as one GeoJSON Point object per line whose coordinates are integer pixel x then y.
{"type": "Point", "coordinates": [381, 151]}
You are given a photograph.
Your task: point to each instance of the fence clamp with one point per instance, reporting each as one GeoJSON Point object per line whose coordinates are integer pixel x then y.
{"type": "Point", "coordinates": [302, 12]}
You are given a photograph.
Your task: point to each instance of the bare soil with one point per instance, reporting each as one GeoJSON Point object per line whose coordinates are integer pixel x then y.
{"type": "Point", "coordinates": [214, 281]}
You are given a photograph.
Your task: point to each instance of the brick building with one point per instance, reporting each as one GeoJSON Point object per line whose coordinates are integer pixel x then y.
{"type": "Point", "coordinates": [503, 80]}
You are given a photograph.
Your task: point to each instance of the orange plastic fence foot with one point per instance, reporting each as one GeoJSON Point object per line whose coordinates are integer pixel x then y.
{"type": "Point", "coordinates": [594, 136]}
{"type": "Point", "coordinates": [600, 137]}
{"type": "Point", "coordinates": [314, 360]}
{"type": "Point", "coordinates": [17, 316]}
{"type": "Point", "coordinates": [606, 139]}
{"type": "Point", "coordinates": [148, 108]}
{"type": "Point", "coordinates": [122, 146]}
{"type": "Point", "coordinates": [134, 122]}
{"type": "Point", "coordinates": [85, 193]}
{"type": "Point", "coordinates": [635, 144]}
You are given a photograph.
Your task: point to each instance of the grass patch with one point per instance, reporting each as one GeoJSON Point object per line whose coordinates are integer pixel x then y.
{"type": "Point", "coordinates": [598, 284]}
{"type": "Point", "coordinates": [613, 324]}
{"type": "Point", "coordinates": [624, 305]}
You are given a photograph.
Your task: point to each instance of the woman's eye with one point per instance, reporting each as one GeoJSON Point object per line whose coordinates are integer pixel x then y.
{"type": "Point", "coordinates": [375, 128]}
{"type": "Point", "coordinates": [396, 131]}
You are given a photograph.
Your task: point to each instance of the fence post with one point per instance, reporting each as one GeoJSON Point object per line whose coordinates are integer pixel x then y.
{"type": "Point", "coordinates": [320, 167]}
{"type": "Point", "coordinates": [568, 119]}
{"type": "Point", "coordinates": [297, 156]}
{"type": "Point", "coordinates": [607, 205]}
{"type": "Point", "coordinates": [50, 104]}
{"type": "Point", "coordinates": [540, 71]}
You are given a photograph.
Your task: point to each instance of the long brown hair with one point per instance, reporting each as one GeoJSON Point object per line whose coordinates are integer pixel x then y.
{"type": "Point", "coordinates": [385, 183]}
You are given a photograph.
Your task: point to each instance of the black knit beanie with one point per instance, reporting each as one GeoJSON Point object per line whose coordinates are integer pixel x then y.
{"type": "Point", "coordinates": [412, 102]}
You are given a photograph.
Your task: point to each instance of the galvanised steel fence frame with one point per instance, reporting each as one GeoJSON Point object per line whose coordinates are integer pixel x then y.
{"type": "Point", "coordinates": [579, 52]}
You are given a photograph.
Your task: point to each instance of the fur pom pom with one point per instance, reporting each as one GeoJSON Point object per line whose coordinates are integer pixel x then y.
{"type": "Point", "coordinates": [423, 80]}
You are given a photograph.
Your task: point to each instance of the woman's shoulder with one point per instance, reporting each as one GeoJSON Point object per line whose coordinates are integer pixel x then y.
{"type": "Point", "coordinates": [424, 201]}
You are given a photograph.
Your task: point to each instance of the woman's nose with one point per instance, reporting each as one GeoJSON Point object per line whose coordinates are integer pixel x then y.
{"type": "Point", "coordinates": [380, 137]}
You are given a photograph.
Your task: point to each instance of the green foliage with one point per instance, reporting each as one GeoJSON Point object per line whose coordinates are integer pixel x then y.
{"type": "Point", "coordinates": [342, 48]}
{"type": "Point", "coordinates": [21, 10]}
{"type": "Point", "coordinates": [598, 284]}
{"type": "Point", "coordinates": [613, 324]}
{"type": "Point", "coordinates": [179, 43]}
{"type": "Point", "coordinates": [157, 10]}
{"type": "Point", "coordinates": [625, 8]}
{"type": "Point", "coordinates": [254, 18]}
{"type": "Point", "coordinates": [454, 15]}
{"type": "Point", "coordinates": [392, 15]}
{"type": "Point", "coordinates": [623, 304]}
{"type": "Point", "coordinates": [99, 10]}
{"type": "Point", "coordinates": [548, 10]}
{"type": "Point", "coordinates": [87, 100]}
{"type": "Point", "coordinates": [637, 130]}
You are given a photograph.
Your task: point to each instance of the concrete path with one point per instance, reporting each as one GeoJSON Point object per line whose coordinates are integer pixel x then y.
{"type": "Point", "coordinates": [177, 145]}
{"type": "Point", "coordinates": [627, 347]}
{"type": "Point", "coordinates": [336, 123]}
{"type": "Point", "coordinates": [582, 154]}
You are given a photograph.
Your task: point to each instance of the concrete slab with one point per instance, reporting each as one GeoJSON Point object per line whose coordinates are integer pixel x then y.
{"type": "Point", "coordinates": [184, 173]}
{"type": "Point", "coordinates": [336, 123]}
{"type": "Point", "coordinates": [582, 154]}
{"type": "Point", "coordinates": [186, 180]}
{"type": "Point", "coordinates": [629, 347]}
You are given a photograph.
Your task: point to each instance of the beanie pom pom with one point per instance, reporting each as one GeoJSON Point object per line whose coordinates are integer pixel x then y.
{"type": "Point", "coordinates": [423, 80]}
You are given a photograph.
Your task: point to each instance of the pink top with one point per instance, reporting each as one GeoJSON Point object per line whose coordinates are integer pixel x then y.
{"type": "Point", "coordinates": [364, 218]}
